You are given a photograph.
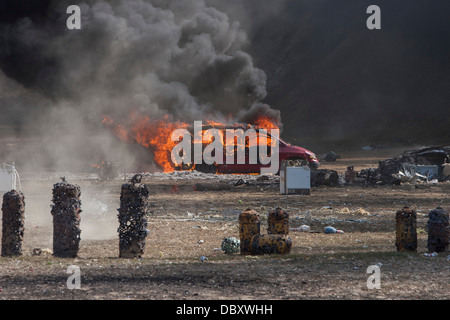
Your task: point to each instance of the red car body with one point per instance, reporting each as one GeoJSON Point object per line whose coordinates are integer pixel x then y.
{"type": "Point", "coordinates": [286, 152]}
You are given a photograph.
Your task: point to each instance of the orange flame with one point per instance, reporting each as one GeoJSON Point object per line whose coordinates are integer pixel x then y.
{"type": "Point", "coordinates": [156, 134]}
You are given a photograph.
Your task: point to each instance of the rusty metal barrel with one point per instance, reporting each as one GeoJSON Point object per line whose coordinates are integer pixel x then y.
{"type": "Point", "coordinates": [278, 222]}
{"type": "Point", "coordinates": [66, 211]}
{"type": "Point", "coordinates": [133, 219]}
{"type": "Point", "coordinates": [406, 230]}
{"type": "Point", "coordinates": [271, 244]}
{"type": "Point", "coordinates": [438, 230]}
{"type": "Point", "coordinates": [13, 209]}
{"type": "Point", "coordinates": [249, 226]}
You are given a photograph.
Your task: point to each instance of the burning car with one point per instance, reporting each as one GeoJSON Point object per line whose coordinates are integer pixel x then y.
{"type": "Point", "coordinates": [156, 135]}
{"type": "Point", "coordinates": [256, 138]}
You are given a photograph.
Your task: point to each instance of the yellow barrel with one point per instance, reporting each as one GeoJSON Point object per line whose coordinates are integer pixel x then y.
{"type": "Point", "coordinates": [249, 226]}
{"type": "Point", "coordinates": [271, 244]}
{"type": "Point", "coordinates": [278, 222]}
{"type": "Point", "coordinates": [406, 230]}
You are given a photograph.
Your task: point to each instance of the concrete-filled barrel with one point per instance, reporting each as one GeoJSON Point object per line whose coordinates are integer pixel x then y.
{"type": "Point", "coordinates": [249, 226]}
{"type": "Point", "coordinates": [278, 222]}
{"type": "Point", "coordinates": [133, 220]}
{"type": "Point", "coordinates": [406, 229]}
{"type": "Point", "coordinates": [271, 244]}
{"type": "Point", "coordinates": [66, 211]}
{"type": "Point", "coordinates": [13, 223]}
{"type": "Point", "coordinates": [438, 230]}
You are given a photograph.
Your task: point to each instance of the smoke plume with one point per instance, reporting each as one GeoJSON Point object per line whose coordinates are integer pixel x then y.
{"type": "Point", "coordinates": [181, 58]}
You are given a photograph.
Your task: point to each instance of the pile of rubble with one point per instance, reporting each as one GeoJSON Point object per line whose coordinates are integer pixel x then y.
{"type": "Point", "coordinates": [430, 164]}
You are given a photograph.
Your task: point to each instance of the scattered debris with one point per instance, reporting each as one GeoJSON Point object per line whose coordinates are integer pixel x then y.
{"type": "Point", "coordinates": [413, 166]}
{"type": "Point", "coordinates": [434, 254]}
{"type": "Point", "coordinates": [324, 177]}
{"type": "Point", "coordinates": [350, 174]}
{"type": "Point", "coordinates": [330, 229]}
{"type": "Point", "coordinates": [302, 228]}
{"type": "Point", "coordinates": [230, 245]}
{"type": "Point", "coordinates": [212, 186]}
{"type": "Point", "coordinates": [330, 156]}
{"type": "Point", "coordinates": [371, 147]}
{"type": "Point", "coordinates": [39, 251]}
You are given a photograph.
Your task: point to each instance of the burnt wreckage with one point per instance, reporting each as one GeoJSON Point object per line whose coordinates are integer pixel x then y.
{"type": "Point", "coordinates": [426, 163]}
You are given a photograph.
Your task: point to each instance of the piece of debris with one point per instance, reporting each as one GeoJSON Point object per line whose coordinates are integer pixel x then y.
{"type": "Point", "coordinates": [241, 182]}
{"type": "Point", "coordinates": [302, 228]}
{"type": "Point", "coordinates": [230, 245]}
{"type": "Point", "coordinates": [330, 156]}
{"type": "Point", "coordinates": [212, 186]}
{"type": "Point", "coordinates": [412, 166]}
{"type": "Point", "coordinates": [434, 254]}
{"type": "Point", "coordinates": [330, 229]}
{"type": "Point", "coordinates": [350, 174]}
{"type": "Point", "coordinates": [325, 177]}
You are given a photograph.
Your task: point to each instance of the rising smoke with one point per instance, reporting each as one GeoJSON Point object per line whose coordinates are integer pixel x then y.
{"type": "Point", "coordinates": [180, 58]}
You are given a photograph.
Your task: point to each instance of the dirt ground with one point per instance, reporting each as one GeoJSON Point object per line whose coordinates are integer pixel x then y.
{"type": "Point", "coordinates": [186, 225]}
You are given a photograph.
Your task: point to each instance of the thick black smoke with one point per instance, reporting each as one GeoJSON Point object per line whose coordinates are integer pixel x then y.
{"type": "Point", "coordinates": [178, 57]}
{"type": "Point", "coordinates": [181, 58]}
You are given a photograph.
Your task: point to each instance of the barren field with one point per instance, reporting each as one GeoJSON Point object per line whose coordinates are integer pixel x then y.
{"type": "Point", "coordinates": [186, 225]}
